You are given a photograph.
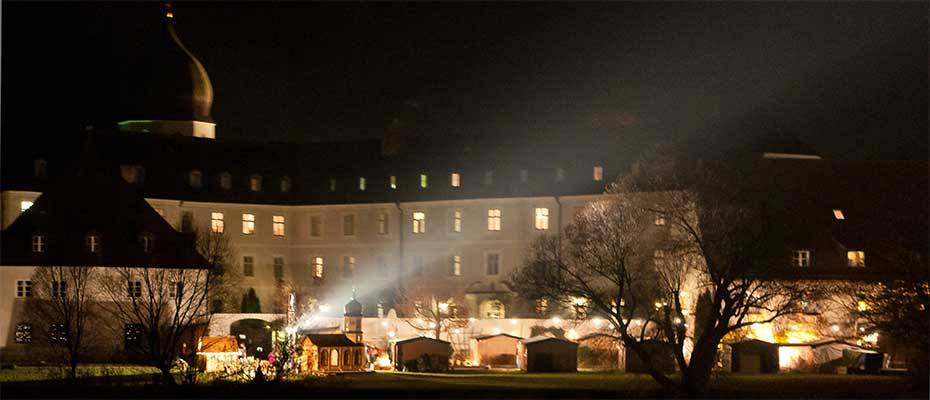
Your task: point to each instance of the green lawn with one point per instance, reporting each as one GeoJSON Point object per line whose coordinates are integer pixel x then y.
{"type": "Point", "coordinates": [84, 371]}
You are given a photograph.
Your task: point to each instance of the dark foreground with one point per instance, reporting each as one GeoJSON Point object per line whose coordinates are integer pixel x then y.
{"type": "Point", "coordinates": [473, 385]}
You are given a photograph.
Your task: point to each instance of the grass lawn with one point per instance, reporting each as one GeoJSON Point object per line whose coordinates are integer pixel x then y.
{"type": "Point", "coordinates": [83, 371]}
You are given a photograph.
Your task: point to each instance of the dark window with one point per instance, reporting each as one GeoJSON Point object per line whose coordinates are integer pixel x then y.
{"type": "Point", "coordinates": [132, 335]}
{"type": "Point", "coordinates": [248, 266]}
{"type": "Point", "coordinates": [134, 289]}
{"type": "Point", "coordinates": [24, 333]}
{"type": "Point", "coordinates": [278, 263]}
{"type": "Point", "coordinates": [57, 333]}
{"type": "Point", "coordinates": [187, 221]}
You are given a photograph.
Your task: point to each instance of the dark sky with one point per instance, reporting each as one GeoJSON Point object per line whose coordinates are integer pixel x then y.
{"type": "Point", "coordinates": [848, 78]}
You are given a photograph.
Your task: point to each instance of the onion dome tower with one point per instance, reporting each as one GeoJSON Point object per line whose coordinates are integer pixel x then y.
{"type": "Point", "coordinates": [353, 320]}
{"type": "Point", "coordinates": [169, 91]}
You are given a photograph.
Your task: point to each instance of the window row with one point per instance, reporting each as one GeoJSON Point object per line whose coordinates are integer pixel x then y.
{"type": "Point", "coordinates": [455, 179]}
{"type": "Point", "coordinates": [93, 243]}
{"type": "Point", "coordinates": [492, 265]}
{"type": "Point", "coordinates": [802, 258]}
{"type": "Point", "coordinates": [58, 334]}
{"type": "Point", "coordinates": [224, 179]}
{"type": "Point", "coordinates": [277, 266]}
{"type": "Point", "coordinates": [60, 289]}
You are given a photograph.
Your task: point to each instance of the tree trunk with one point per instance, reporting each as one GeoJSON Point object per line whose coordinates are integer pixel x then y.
{"type": "Point", "coordinates": [166, 377]}
{"type": "Point", "coordinates": [703, 358]}
{"type": "Point", "coordinates": [73, 373]}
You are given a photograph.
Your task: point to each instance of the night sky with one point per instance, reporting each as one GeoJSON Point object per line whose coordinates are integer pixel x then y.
{"type": "Point", "coordinates": [849, 79]}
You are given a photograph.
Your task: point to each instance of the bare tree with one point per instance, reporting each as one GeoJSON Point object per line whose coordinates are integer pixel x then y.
{"type": "Point", "coordinates": [65, 303]}
{"type": "Point", "coordinates": [642, 259]}
{"type": "Point", "coordinates": [428, 308]}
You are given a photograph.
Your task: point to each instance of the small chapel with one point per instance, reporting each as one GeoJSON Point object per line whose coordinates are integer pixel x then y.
{"type": "Point", "coordinates": [337, 352]}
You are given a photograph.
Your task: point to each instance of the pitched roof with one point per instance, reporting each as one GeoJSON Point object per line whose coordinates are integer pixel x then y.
{"type": "Point", "coordinates": [483, 337]}
{"type": "Point", "coordinates": [540, 339]}
{"type": "Point", "coordinates": [331, 340]}
{"type": "Point", "coordinates": [413, 339]}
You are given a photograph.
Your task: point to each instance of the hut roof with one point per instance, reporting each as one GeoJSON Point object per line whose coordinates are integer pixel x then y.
{"type": "Point", "coordinates": [218, 344]}
{"type": "Point", "coordinates": [485, 337]}
{"type": "Point", "coordinates": [332, 340]}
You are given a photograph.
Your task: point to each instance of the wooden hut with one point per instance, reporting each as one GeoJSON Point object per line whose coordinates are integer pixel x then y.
{"type": "Point", "coordinates": [214, 352]}
{"type": "Point", "coordinates": [599, 351]}
{"type": "Point", "coordinates": [422, 354]}
{"type": "Point", "coordinates": [498, 350]}
{"type": "Point", "coordinates": [754, 357]}
{"type": "Point", "coordinates": [547, 354]}
{"type": "Point", "coordinates": [332, 352]}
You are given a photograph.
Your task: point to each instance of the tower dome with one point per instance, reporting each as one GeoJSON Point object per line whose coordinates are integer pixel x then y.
{"type": "Point", "coordinates": [168, 90]}
{"type": "Point", "coordinates": [353, 308]}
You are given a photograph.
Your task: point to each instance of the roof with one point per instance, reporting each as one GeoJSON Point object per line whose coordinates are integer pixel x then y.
{"type": "Point", "coordinates": [331, 340]}
{"type": "Point", "coordinates": [413, 339]}
{"type": "Point", "coordinates": [540, 339]}
{"type": "Point", "coordinates": [218, 344]}
{"type": "Point", "coordinates": [484, 337]}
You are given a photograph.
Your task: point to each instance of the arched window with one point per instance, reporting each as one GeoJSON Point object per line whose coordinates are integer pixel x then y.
{"type": "Point", "coordinates": [255, 183]}
{"type": "Point", "coordinates": [334, 358]}
{"type": "Point", "coordinates": [324, 357]}
{"type": "Point", "coordinates": [346, 357]}
{"type": "Point", "coordinates": [285, 185]}
{"type": "Point", "coordinates": [195, 179]}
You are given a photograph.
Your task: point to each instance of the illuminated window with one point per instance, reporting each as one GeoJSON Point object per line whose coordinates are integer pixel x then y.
{"type": "Point", "coordinates": [855, 258]}
{"type": "Point", "coordinates": [40, 168]}
{"type": "Point", "coordinates": [334, 358]}
{"type": "Point", "coordinates": [393, 181]}
{"type": "Point", "coordinates": [317, 266]}
{"type": "Point", "coordinates": [559, 174]}
{"type": "Point", "coordinates": [418, 265]}
{"type": "Point", "coordinates": [457, 221]}
{"type": "Point", "coordinates": [248, 224]}
{"type": "Point", "coordinates": [361, 183]}
{"type": "Point", "coordinates": [838, 214]}
{"type": "Point", "coordinates": [494, 219]}
{"type": "Point", "coordinates": [134, 289]}
{"type": "Point", "coordinates": [659, 221]}
{"type": "Point", "coordinates": [423, 181]}
{"type": "Point", "coordinates": [455, 269]}
{"type": "Point", "coordinates": [383, 223]}
{"type": "Point", "coordinates": [25, 205]}
{"type": "Point", "coordinates": [348, 266]}
{"type": "Point", "coordinates": [801, 258]}
{"type": "Point", "coordinates": [132, 173]}
{"type": "Point", "coordinates": [348, 225]}
{"type": "Point", "coordinates": [542, 218]}
{"type": "Point", "coordinates": [23, 288]}
{"type": "Point", "coordinates": [456, 179]}
{"type": "Point", "coordinates": [332, 185]}
{"type": "Point", "coordinates": [598, 173]}
{"type": "Point", "coordinates": [93, 243]}
{"type": "Point", "coordinates": [285, 185]}
{"type": "Point", "coordinates": [255, 183]}
{"type": "Point", "coordinates": [217, 224]}
{"type": "Point", "coordinates": [316, 226]}
{"type": "Point", "coordinates": [147, 240]}
{"type": "Point", "coordinates": [24, 333]}
{"type": "Point", "coordinates": [248, 266]}
{"type": "Point", "coordinates": [277, 225]}
{"type": "Point", "coordinates": [187, 221]}
{"type": "Point", "coordinates": [195, 179]}
{"type": "Point", "coordinates": [491, 309]}
{"type": "Point", "coordinates": [38, 243]}
{"type": "Point", "coordinates": [492, 263]}
{"type": "Point", "coordinates": [524, 175]}
{"type": "Point", "coordinates": [277, 264]}
{"type": "Point", "coordinates": [542, 306]}
{"type": "Point", "coordinates": [489, 177]}
{"type": "Point", "coordinates": [225, 180]}
{"type": "Point", "coordinates": [59, 288]}
{"type": "Point", "coordinates": [419, 222]}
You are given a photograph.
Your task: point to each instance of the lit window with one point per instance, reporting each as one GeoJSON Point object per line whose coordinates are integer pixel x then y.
{"type": "Point", "coordinates": [24, 333]}
{"type": "Point", "coordinates": [419, 222]}
{"type": "Point", "coordinates": [361, 183]}
{"type": "Point", "coordinates": [217, 224]}
{"type": "Point", "coordinates": [801, 258]}
{"type": "Point", "coordinates": [277, 225]}
{"type": "Point", "coordinates": [93, 243]}
{"type": "Point", "coordinates": [542, 306]}
{"type": "Point", "coordinates": [542, 219]}
{"type": "Point", "coordinates": [456, 179]}
{"type": "Point", "coordinates": [248, 224]}
{"type": "Point", "coordinates": [494, 219]}
{"type": "Point", "coordinates": [559, 174]}
{"type": "Point", "coordinates": [855, 258]}
{"type": "Point", "coordinates": [491, 309]}
{"type": "Point", "coordinates": [134, 289]}
{"type": "Point", "coordinates": [25, 205]}
{"type": "Point", "coordinates": [348, 225]}
{"type": "Point", "coordinates": [348, 266]}
{"type": "Point", "coordinates": [316, 226]}
{"type": "Point", "coordinates": [255, 183]}
{"type": "Point", "coordinates": [456, 268]}
{"type": "Point", "coordinates": [659, 221]}
{"type": "Point", "coordinates": [393, 181]}
{"type": "Point", "coordinates": [147, 240]}
{"type": "Point", "coordinates": [317, 266]}
{"type": "Point", "coordinates": [278, 267]}
{"type": "Point", "coordinates": [423, 181]}
{"type": "Point", "coordinates": [598, 173]}
{"type": "Point", "coordinates": [23, 288]}
{"type": "Point", "coordinates": [132, 173]}
{"type": "Point", "coordinates": [332, 185]}
{"type": "Point", "coordinates": [838, 214]}
{"type": "Point", "coordinates": [59, 288]}
{"type": "Point", "coordinates": [488, 177]}
{"type": "Point", "coordinates": [248, 266]}
{"type": "Point", "coordinates": [225, 180]}
{"type": "Point", "coordinates": [524, 175]}
{"type": "Point", "coordinates": [418, 265]}
{"type": "Point", "coordinates": [38, 243]}
{"type": "Point", "coordinates": [492, 263]}
{"type": "Point", "coordinates": [382, 223]}
{"type": "Point", "coordinates": [457, 221]}
{"type": "Point", "coordinates": [195, 179]}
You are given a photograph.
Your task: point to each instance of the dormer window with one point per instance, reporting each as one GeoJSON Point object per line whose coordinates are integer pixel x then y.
{"type": "Point", "coordinates": [598, 173]}
{"type": "Point", "coordinates": [93, 243]}
{"type": "Point", "coordinates": [393, 182]}
{"type": "Point", "coordinates": [361, 183]}
{"type": "Point", "coordinates": [195, 179]}
{"type": "Point", "coordinates": [147, 241]}
{"type": "Point", "coordinates": [40, 168]}
{"type": "Point", "coordinates": [424, 181]}
{"type": "Point", "coordinates": [285, 185]}
{"type": "Point", "coordinates": [456, 179]}
{"type": "Point", "coordinates": [838, 214]}
{"type": "Point", "coordinates": [801, 258]}
{"type": "Point", "coordinates": [488, 178]}
{"type": "Point", "coordinates": [132, 173]}
{"type": "Point", "coordinates": [560, 174]}
{"type": "Point", "coordinates": [524, 175]}
{"type": "Point", "coordinates": [255, 183]}
{"type": "Point", "coordinates": [855, 258]}
{"type": "Point", "coordinates": [225, 180]}
{"type": "Point", "coordinates": [25, 205]}
{"type": "Point", "coordinates": [332, 185]}
{"type": "Point", "coordinates": [39, 242]}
